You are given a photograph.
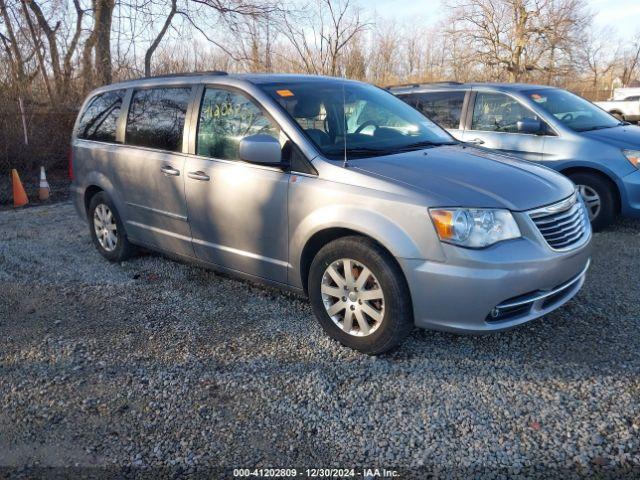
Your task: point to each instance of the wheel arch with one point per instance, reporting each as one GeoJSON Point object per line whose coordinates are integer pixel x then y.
{"type": "Point", "coordinates": [325, 236]}
{"type": "Point", "coordinates": [89, 193]}
{"type": "Point", "coordinates": [599, 173]}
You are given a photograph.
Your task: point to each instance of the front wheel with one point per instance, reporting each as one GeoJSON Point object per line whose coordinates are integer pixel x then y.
{"type": "Point", "coordinates": [360, 296]}
{"type": "Point", "coordinates": [598, 198]}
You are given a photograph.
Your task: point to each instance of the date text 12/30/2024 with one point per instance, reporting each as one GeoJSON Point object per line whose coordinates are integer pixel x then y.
{"type": "Point", "coordinates": [365, 473]}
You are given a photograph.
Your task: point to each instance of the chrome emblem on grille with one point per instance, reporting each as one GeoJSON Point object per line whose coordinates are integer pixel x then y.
{"type": "Point", "coordinates": [556, 207]}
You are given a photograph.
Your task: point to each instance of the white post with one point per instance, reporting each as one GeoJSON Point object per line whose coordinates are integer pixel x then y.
{"type": "Point", "coordinates": [24, 121]}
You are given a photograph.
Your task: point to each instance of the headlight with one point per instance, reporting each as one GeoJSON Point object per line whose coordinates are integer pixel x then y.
{"type": "Point", "coordinates": [474, 227]}
{"type": "Point", "coordinates": [633, 156]}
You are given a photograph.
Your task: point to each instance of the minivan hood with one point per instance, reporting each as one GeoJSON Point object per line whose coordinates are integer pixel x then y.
{"type": "Point", "coordinates": [624, 136]}
{"type": "Point", "coordinates": [471, 177]}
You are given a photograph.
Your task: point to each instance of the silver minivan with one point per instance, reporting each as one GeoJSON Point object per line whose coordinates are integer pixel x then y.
{"type": "Point", "coordinates": [333, 188]}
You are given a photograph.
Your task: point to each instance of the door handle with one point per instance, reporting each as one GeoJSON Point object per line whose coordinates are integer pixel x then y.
{"type": "Point", "coordinates": [169, 170]}
{"type": "Point", "coordinates": [203, 177]}
{"type": "Point", "coordinates": [476, 141]}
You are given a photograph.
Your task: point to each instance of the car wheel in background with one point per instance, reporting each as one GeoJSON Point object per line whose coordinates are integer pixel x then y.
{"type": "Point", "coordinates": [107, 230]}
{"type": "Point", "coordinates": [360, 296]}
{"type": "Point", "coordinates": [598, 198]}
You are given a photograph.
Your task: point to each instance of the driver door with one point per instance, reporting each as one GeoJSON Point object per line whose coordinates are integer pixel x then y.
{"type": "Point", "coordinates": [493, 125]}
{"type": "Point", "coordinates": [237, 210]}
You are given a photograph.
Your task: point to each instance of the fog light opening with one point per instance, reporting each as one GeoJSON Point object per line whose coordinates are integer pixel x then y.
{"type": "Point", "coordinates": [495, 312]}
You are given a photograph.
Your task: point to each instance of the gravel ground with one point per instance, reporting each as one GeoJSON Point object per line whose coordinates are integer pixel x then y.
{"type": "Point", "coordinates": [153, 363]}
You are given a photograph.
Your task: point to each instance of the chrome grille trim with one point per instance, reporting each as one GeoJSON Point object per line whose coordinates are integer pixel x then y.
{"type": "Point", "coordinates": [563, 225]}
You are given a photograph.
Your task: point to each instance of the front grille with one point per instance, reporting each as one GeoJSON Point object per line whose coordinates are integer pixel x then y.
{"type": "Point", "coordinates": [562, 225]}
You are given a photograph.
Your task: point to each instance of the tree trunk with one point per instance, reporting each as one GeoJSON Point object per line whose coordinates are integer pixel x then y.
{"type": "Point", "coordinates": [158, 39]}
{"type": "Point", "coordinates": [102, 30]}
{"type": "Point", "coordinates": [37, 44]}
{"type": "Point", "coordinates": [50, 34]}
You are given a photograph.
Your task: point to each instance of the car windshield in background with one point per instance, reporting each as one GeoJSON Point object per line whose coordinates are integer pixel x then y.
{"type": "Point", "coordinates": [575, 112]}
{"type": "Point", "coordinates": [361, 120]}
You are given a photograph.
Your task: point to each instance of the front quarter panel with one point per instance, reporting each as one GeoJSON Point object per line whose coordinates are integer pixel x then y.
{"type": "Point", "coordinates": [398, 223]}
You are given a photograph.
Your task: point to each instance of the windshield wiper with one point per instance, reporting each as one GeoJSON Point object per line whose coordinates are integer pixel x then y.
{"type": "Point", "coordinates": [370, 151]}
{"type": "Point", "coordinates": [599, 127]}
{"type": "Point", "coordinates": [424, 144]}
{"type": "Point", "coordinates": [361, 151]}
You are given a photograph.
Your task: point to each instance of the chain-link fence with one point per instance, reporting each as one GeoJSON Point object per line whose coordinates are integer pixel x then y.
{"type": "Point", "coordinates": [38, 137]}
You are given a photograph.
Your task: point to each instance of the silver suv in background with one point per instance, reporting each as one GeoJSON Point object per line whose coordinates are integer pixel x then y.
{"type": "Point", "coordinates": [556, 128]}
{"type": "Point", "coordinates": [333, 188]}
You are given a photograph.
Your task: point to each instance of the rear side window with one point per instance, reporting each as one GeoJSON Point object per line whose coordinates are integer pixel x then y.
{"type": "Point", "coordinates": [444, 108]}
{"type": "Point", "coordinates": [156, 118]}
{"type": "Point", "coordinates": [99, 121]}
{"type": "Point", "coordinates": [226, 117]}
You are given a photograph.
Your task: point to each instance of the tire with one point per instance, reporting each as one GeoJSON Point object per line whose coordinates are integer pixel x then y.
{"type": "Point", "coordinates": [589, 184]}
{"type": "Point", "coordinates": [393, 308]}
{"type": "Point", "coordinates": [619, 116]}
{"type": "Point", "coordinates": [102, 215]}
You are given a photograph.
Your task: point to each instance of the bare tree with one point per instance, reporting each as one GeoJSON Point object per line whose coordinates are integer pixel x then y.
{"type": "Point", "coordinates": [152, 48]}
{"type": "Point", "coordinates": [516, 35]}
{"type": "Point", "coordinates": [594, 52]}
{"type": "Point", "coordinates": [60, 57]}
{"type": "Point", "coordinates": [96, 56]}
{"type": "Point", "coordinates": [17, 57]}
{"type": "Point", "coordinates": [630, 61]}
{"type": "Point", "coordinates": [385, 56]}
{"type": "Point", "coordinates": [320, 33]}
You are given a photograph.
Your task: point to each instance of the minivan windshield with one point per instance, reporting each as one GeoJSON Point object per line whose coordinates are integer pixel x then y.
{"type": "Point", "coordinates": [358, 120]}
{"type": "Point", "coordinates": [575, 112]}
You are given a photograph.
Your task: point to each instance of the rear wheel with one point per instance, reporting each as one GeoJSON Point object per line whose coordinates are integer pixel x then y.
{"type": "Point", "coordinates": [598, 198]}
{"type": "Point", "coordinates": [107, 230]}
{"type": "Point", "coordinates": [359, 295]}
{"type": "Point", "coordinates": [619, 116]}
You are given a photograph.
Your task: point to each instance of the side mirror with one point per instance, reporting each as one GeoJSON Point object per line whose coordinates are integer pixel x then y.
{"type": "Point", "coordinates": [529, 125]}
{"type": "Point", "coordinates": [261, 149]}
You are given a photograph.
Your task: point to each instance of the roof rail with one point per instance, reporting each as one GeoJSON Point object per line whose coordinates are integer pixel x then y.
{"type": "Point", "coordinates": [190, 74]}
{"type": "Point", "coordinates": [415, 85]}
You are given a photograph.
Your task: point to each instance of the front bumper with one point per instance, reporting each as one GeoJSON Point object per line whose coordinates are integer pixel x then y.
{"type": "Point", "coordinates": [630, 190]}
{"type": "Point", "coordinates": [524, 279]}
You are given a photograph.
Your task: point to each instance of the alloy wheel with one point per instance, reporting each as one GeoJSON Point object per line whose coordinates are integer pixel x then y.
{"type": "Point", "coordinates": [353, 297]}
{"type": "Point", "coordinates": [591, 199]}
{"type": "Point", "coordinates": [104, 224]}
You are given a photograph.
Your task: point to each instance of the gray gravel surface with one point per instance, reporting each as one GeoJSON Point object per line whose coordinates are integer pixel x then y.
{"type": "Point", "coordinates": [155, 363]}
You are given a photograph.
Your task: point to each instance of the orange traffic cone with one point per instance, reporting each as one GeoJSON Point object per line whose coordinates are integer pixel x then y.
{"type": "Point", "coordinates": [43, 191]}
{"type": "Point", "coordinates": [19, 195]}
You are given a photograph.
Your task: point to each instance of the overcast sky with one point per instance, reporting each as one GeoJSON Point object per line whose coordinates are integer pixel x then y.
{"type": "Point", "coordinates": [620, 15]}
